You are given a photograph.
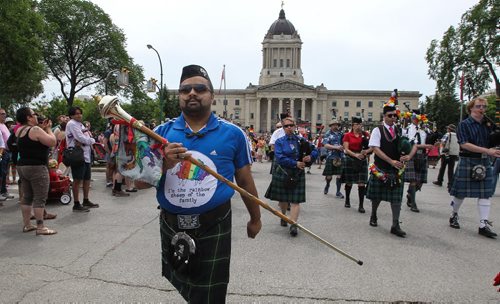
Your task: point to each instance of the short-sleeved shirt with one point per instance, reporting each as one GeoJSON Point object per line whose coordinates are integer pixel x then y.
{"type": "Point", "coordinates": [471, 131]}
{"type": "Point", "coordinates": [333, 138]}
{"type": "Point", "coordinates": [220, 145]}
{"type": "Point", "coordinates": [278, 133]}
{"type": "Point", "coordinates": [355, 143]}
{"type": "Point", "coordinates": [411, 132]}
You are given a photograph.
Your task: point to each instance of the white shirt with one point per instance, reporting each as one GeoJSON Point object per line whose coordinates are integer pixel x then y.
{"type": "Point", "coordinates": [376, 137]}
{"type": "Point", "coordinates": [411, 131]}
{"type": "Point", "coordinates": [278, 133]}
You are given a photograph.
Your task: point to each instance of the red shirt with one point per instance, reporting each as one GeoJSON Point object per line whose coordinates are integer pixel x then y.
{"type": "Point", "coordinates": [354, 142]}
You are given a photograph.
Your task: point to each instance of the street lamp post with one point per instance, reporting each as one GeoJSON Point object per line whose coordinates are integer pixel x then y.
{"type": "Point", "coordinates": [161, 79]}
{"type": "Point", "coordinates": [106, 80]}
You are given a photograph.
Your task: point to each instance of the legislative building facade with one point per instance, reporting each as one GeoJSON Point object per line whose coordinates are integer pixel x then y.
{"type": "Point", "coordinates": [281, 89]}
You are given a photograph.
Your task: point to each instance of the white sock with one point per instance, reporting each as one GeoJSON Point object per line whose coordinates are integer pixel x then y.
{"type": "Point", "coordinates": [456, 203]}
{"type": "Point", "coordinates": [483, 207]}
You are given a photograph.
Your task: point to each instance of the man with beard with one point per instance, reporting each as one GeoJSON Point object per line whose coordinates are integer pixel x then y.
{"type": "Point", "coordinates": [195, 219]}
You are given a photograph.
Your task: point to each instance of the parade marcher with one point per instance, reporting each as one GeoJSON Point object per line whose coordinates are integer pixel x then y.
{"type": "Point", "coordinates": [288, 185]}
{"type": "Point", "coordinates": [195, 207]}
{"type": "Point", "coordinates": [332, 141]}
{"type": "Point", "coordinates": [416, 169]}
{"type": "Point", "coordinates": [355, 168]}
{"type": "Point", "coordinates": [386, 180]}
{"type": "Point", "coordinates": [474, 175]}
{"type": "Point", "coordinates": [5, 157]}
{"type": "Point", "coordinates": [449, 155]}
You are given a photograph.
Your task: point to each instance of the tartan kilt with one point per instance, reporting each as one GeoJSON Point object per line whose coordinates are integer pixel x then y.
{"type": "Point", "coordinates": [204, 279]}
{"type": "Point", "coordinates": [277, 191]}
{"type": "Point", "coordinates": [330, 169]}
{"type": "Point", "coordinates": [464, 186]}
{"type": "Point", "coordinates": [379, 191]}
{"type": "Point", "coordinates": [414, 175]}
{"type": "Point", "coordinates": [351, 174]}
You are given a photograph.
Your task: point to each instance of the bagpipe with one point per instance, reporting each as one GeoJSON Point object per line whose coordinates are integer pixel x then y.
{"type": "Point", "coordinates": [109, 107]}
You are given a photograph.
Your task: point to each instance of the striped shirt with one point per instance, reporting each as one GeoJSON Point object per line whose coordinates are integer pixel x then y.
{"type": "Point", "coordinates": [471, 131]}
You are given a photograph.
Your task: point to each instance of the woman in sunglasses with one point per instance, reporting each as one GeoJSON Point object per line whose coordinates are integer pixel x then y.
{"type": "Point", "coordinates": [288, 184]}
{"type": "Point", "coordinates": [474, 174]}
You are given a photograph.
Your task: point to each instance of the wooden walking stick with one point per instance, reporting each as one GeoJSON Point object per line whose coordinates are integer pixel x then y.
{"type": "Point", "coordinates": [110, 108]}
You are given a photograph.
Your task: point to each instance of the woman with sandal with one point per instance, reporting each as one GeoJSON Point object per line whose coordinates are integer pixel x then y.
{"type": "Point", "coordinates": [34, 142]}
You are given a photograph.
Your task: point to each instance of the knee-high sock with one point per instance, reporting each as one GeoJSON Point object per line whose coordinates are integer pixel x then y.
{"type": "Point", "coordinates": [347, 192]}
{"type": "Point", "coordinates": [118, 186]}
{"type": "Point", "coordinates": [412, 189]}
{"type": "Point", "coordinates": [361, 195]}
{"type": "Point", "coordinates": [337, 183]}
{"type": "Point", "coordinates": [396, 210]}
{"type": "Point", "coordinates": [483, 207]}
{"type": "Point", "coordinates": [456, 203]}
{"type": "Point", "coordinates": [375, 205]}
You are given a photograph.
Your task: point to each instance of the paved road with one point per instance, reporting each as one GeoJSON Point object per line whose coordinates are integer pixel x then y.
{"type": "Point", "coordinates": [112, 253]}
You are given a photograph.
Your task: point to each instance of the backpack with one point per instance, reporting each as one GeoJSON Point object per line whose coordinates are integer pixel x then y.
{"type": "Point", "coordinates": [12, 143]}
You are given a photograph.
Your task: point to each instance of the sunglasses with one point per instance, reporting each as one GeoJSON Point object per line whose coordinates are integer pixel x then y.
{"type": "Point", "coordinates": [392, 115]}
{"type": "Point", "coordinates": [480, 106]}
{"type": "Point", "coordinates": [288, 126]}
{"type": "Point", "coordinates": [198, 88]}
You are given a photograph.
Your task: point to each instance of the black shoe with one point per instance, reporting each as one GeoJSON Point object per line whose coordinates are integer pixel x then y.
{"type": "Point", "coordinates": [440, 184]}
{"type": "Point", "coordinates": [408, 200]}
{"type": "Point", "coordinates": [293, 230]}
{"type": "Point", "coordinates": [326, 189]}
{"type": "Point", "coordinates": [283, 223]}
{"type": "Point", "coordinates": [397, 231]}
{"type": "Point", "coordinates": [454, 221]}
{"type": "Point", "coordinates": [373, 221]}
{"type": "Point", "coordinates": [414, 209]}
{"type": "Point", "coordinates": [89, 204]}
{"type": "Point", "coordinates": [80, 208]}
{"type": "Point", "coordinates": [486, 231]}
{"type": "Point", "coordinates": [361, 210]}
{"type": "Point", "coordinates": [347, 204]}
{"type": "Point", "coordinates": [131, 190]}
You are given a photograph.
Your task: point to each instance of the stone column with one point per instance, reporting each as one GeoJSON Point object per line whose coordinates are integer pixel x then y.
{"type": "Point", "coordinates": [257, 116]}
{"type": "Point", "coordinates": [314, 115]}
{"type": "Point", "coordinates": [303, 109]}
{"type": "Point", "coordinates": [292, 106]}
{"type": "Point", "coordinates": [268, 118]}
{"type": "Point", "coordinates": [280, 106]}
{"type": "Point", "coordinates": [247, 112]}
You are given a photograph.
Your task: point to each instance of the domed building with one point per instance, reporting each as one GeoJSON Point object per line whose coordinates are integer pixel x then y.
{"type": "Point", "coordinates": [281, 89]}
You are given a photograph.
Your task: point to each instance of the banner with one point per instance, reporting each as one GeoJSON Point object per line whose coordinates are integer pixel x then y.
{"type": "Point", "coordinates": [139, 157]}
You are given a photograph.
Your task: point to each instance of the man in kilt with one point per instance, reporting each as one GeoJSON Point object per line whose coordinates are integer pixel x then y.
{"type": "Point", "coordinates": [195, 218]}
{"type": "Point", "coordinates": [416, 169]}
{"type": "Point", "coordinates": [332, 141]}
{"type": "Point", "coordinates": [474, 175]}
{"type": "Point", "coordinates": [386, 180]}
{"type": "Point", "coordinates": [288, 184]}
{"type": "Point", "coordinates": [355, 168]}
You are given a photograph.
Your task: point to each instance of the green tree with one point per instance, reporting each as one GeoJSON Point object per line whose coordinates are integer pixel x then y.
{"type": "Point", "coordinates": [442, 110]}
{"type": "Point", "coordinates": [21, 61]}
{"type": "Point", "coordinates": [473, 49]}
{"type": "Point", "coordinates": [82, 45]}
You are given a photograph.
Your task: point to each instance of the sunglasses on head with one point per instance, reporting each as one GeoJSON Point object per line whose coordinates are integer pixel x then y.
{"type": "Point", "coordinates": [198, 88]}
{"type": "Point", "coordinates": [392, 115]}
{"type": "Point", "coordinates": [288, 126]}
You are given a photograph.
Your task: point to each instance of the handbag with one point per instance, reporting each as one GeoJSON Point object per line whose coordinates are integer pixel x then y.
{"type": "Point", "coordinates": [73, 156]}
{"type": "Point", "coordinates": [478, 173]}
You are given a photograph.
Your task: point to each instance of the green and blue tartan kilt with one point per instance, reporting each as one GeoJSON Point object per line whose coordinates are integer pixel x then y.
{"type": "Point", "coordinates": [330, 169]}
{"type": "Point", "coordinates": [353, 173]}
{"type": "Point", "coordinates": [204, 279]}
{"type": "Point", "coordinates": [377, 190]}
{"type": "Point", "coordinates": [464, 186]}
{"type": "Point", "coordinates": [277, 191]}
{"type": "Point", "coordinates": [414, 175]}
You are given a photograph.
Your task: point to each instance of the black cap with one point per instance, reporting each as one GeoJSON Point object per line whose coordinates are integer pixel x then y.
{"type": "Point", "coordinates": [194, 70]}
{"type": "Point", "coordinates": [356, 120]}
{"type": "Point", "coordinates": [389, 109]}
